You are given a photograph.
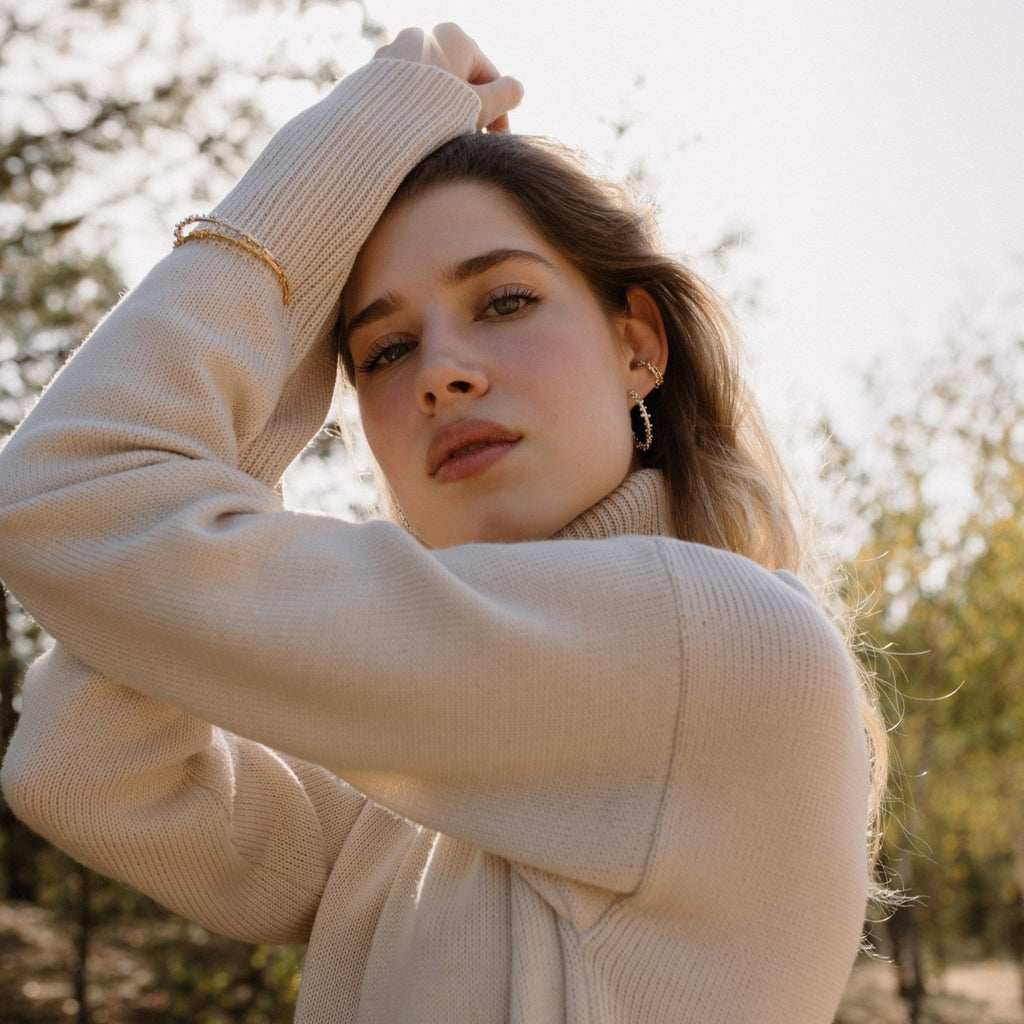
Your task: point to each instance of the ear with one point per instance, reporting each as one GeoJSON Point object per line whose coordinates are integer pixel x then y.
{"type": "Point", "coordinates": [644, 339]}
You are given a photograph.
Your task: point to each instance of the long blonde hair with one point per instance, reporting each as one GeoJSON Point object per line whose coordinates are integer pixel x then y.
{"type": "Point", "coordinates": [727, 486]}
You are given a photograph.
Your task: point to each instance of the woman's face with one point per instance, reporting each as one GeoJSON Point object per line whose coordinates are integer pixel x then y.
{"type": "Point", "coordinates": [492, 386]}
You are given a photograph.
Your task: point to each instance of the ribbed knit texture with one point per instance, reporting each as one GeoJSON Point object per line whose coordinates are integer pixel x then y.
{"type": "Point", "coordinates": [603, 778]}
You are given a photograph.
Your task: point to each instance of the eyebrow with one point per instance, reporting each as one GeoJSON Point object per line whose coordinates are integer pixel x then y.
{"type": "Point", "coordinates": [472, 267]}
{"type": "Point", "coordinates": [476, 265]}
{"type": "Point", "coordinates": [376, 310]}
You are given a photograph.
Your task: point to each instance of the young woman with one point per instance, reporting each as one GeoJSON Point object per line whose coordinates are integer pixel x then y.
{"type": "Point", "coordinates": [567, 744]}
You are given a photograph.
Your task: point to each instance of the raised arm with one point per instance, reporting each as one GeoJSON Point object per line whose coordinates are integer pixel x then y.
{"type": "Point", "coordinates": [201, 818]}
{"type": "Point", "coordinates": [519, 697]}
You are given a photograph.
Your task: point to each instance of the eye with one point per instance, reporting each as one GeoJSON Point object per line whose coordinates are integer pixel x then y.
{"type": "Point", "coordinates": [507, 302]}
{"type": "Point", "coordinates": [385, 352]}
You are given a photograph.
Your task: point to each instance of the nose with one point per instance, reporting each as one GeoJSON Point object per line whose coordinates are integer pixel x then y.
{"type": "Point", "coordinates": [447, 370]}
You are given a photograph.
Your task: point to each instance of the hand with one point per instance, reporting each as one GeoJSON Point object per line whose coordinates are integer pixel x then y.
{"type": "Point", "coordinates": [448, 47]}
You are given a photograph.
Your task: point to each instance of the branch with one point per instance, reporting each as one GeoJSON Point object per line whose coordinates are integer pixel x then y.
{"type": "Point", "coordinates": [125, 111]}
{"type": "Point", "coordinates": [16, 146]}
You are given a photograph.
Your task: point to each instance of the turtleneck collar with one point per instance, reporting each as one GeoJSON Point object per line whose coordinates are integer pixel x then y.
{"type": "Point", "coordinates": [639, 505]}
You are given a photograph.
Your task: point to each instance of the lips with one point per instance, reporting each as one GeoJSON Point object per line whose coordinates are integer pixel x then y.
{"type": "Point", "coordinates": [467, 444]}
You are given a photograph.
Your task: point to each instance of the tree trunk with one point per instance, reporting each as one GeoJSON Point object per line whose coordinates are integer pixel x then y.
{"type": "Point", "coordinates": [902, 925]}
{"type": "Point", "coordinates": [81, 964]}
{"type": "Point", "coordinates": [1017, 938]}
{"type": "Point", "coordinates": [904, 936]}
{"type": "Point", "coordinates": [1016, 824]}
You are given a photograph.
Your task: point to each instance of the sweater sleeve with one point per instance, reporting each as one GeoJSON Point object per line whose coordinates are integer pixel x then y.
{"type": "Point", "coordinates": [222, 829]}
{"type": "Point", "coordinates": [518, 697]}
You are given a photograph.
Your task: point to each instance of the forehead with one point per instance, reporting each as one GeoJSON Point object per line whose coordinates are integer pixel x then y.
{"type": "Point", "coordinates": [424, 235]}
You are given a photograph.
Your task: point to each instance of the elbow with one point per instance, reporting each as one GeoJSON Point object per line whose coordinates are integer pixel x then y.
{"type": "Point", "coordinates": [59, 775]}
{"type": "Point", "coordinates": [42, 789]}
{"type": "Point", "coordinates": [29, 788]}
{"type": "Point", "coordinates": [14, 785]}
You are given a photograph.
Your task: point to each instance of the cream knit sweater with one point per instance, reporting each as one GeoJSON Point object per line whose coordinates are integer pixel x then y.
{"type": "Point", "coordinates": [607, 779]}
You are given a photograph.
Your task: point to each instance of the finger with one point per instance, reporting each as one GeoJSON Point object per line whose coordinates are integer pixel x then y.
{"type": "Point", "coordinates": [455, 50]}
{"type": "Point", "coordinates": [497, 98]}
{"type": "Point", "coordinates": [464, 57]}
{"type": "Point", "coordinates": [482, 71]}
{"type": "Point", "coordinates": [410, 44]}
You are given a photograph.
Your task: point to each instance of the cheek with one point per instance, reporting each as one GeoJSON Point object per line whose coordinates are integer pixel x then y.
{"type": "Point", "coordinates": [591, 416]}
{"type": "Point", "coordinates": [604, 392]}
{"type": "Point", "coordinates": [577, 347]}
{"type": "Point", "coordinates": [384, 427]}
{"type": "Point", "coordinates": [595, 366]}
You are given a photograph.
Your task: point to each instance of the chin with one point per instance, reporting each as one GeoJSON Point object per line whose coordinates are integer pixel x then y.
{"type": "Point", "coordinates": [507, 515]}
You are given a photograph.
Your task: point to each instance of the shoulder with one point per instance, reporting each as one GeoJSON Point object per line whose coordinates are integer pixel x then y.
{"type": "Point", "coordinates": [756, 632]}
{"type": "Point", "coordinates": [714, 583]}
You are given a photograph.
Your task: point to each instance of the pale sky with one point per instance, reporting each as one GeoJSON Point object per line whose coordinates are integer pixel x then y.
{"type": "Point", "coordinates": [873, 153]}
{"type": "Point", "coordinates": [870, 153]}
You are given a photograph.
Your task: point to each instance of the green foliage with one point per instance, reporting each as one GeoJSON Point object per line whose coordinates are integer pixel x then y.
{"type": "Point", "coordinates": [939, 578]}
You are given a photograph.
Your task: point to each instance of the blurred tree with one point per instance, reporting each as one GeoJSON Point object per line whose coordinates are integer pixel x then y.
{"type": "Point", "coordinates": [939, 579]}
{"type": "Point", "coordinates": [124, 112]}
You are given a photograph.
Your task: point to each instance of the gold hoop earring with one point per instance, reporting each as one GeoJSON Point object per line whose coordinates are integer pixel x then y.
{"type": "Point", "coordinates": [646, 417]}
{"type": "Point", "coordinates": [659, 377]}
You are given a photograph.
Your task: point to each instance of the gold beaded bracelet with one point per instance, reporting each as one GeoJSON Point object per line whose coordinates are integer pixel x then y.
{"type": "Point", "coordinates": [226, 232]}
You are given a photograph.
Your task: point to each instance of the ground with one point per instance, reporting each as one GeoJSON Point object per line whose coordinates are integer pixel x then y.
{"type": "Point", "coordinates": [980, 993]}
{"type": "Point", "coordinates": [35, 986]}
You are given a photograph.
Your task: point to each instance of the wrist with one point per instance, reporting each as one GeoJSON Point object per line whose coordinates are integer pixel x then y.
{"type": "Point", "coordinates": [318, 188]}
